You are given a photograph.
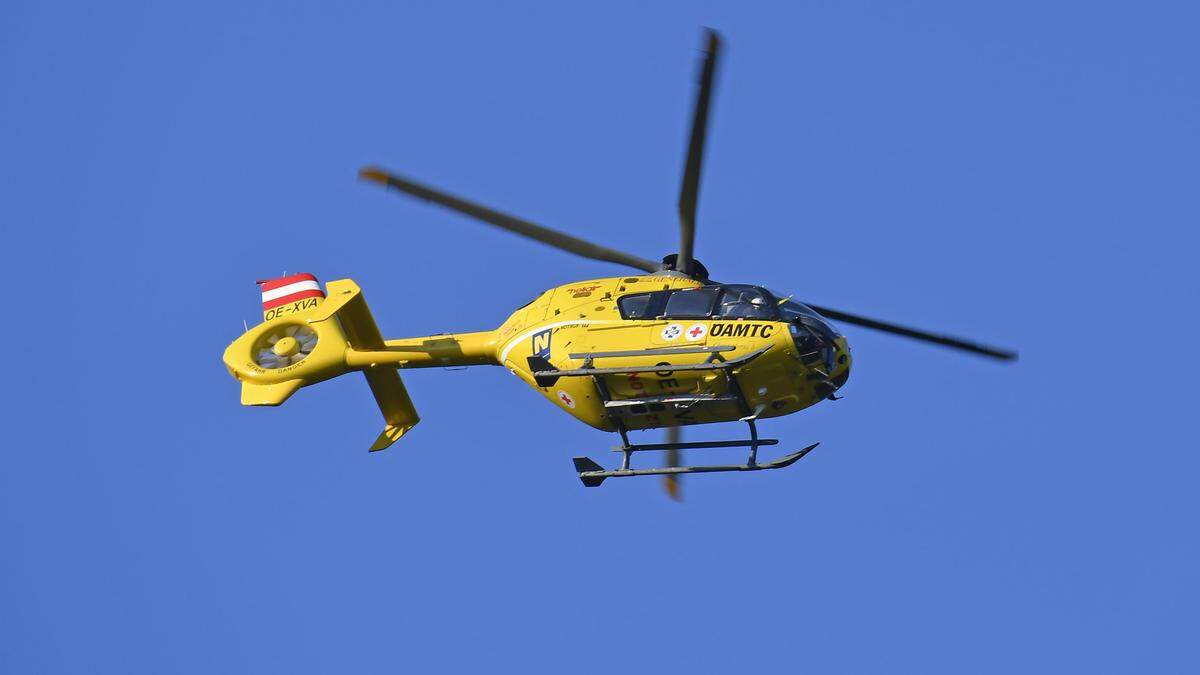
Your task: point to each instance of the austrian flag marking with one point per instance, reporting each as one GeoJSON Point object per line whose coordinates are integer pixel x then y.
{"type": "Point", "coordinates": [289, 289]}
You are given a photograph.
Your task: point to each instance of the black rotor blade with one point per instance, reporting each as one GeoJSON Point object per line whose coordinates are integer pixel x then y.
{"type": "Point", "coordinates": [689, 192]}
{"type": "Point", "coordinates": [944, 340]}
{"type": "Point", "coordinates": [671, 480]}
{"type": "Point", "coordinates": [511, 223]}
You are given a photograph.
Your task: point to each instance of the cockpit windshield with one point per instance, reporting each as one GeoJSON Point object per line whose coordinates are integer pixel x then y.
{"type": "Point", "coordinates": [798, 312]}
{"type": "Point", "coordinates": [813, 334]}
{"type": "Point", "coordinates": [793, 310]}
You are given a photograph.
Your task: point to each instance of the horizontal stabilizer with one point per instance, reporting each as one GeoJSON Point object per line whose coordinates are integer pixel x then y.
{"type": "Point", "coordinates": [269, 394]}
{"type": "Point", "coordinates": [585, 466]}
{"type": "Point", "coordinates": [543, 371]}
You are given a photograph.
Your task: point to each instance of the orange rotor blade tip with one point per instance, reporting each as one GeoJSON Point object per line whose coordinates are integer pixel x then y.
{"type": "Point", "coordinates": [671, 485]}
{"type": "Point", "coordinates": [373, 174]}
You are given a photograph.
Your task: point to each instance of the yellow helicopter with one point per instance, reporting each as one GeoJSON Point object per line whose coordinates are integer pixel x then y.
{"type": "Point", "coordinates": [664, 348]}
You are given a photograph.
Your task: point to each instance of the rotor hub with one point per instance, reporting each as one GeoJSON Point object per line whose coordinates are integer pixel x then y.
{"type": "Point", "coordinates": [286, 346]}
{"type": "Point", "coordinates": [696, 270]}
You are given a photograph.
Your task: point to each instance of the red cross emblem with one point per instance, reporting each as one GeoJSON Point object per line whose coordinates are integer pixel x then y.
{"type": "Point", "coordinates": [566, 399]}
{"type": "Point", "coordinates": [696, 332]}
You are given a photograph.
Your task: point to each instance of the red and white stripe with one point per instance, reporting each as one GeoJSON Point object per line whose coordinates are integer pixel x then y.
{"type": "Point", "coordinates": [284, 290]}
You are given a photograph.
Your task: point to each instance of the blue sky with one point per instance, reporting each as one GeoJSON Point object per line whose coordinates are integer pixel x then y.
{"type": "Point", "coordinates": [1021, 173]}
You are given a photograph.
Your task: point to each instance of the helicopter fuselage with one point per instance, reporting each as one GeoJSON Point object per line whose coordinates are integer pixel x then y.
{"type": "Point", "coordinates": [607, 366]}
{"type": "Point", "coordinates": [618, 353]}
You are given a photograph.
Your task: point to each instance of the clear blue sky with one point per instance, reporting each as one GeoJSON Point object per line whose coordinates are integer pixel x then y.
{"type": "Point", "coordinates": [1022, 173]}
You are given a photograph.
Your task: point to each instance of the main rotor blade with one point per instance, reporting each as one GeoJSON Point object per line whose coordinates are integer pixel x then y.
{"type": "Point", "coordinates": [511, 223]}
{"type": "Point", "coordinates": [671, 480]}
{"type": "Point", "coordinates": [944, 340]}
{"type": "Point", "coordinates": [689, 192]}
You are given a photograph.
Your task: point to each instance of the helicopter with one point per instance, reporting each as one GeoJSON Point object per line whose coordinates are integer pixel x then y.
{"type": "Point", "coordinates": [661, 348]}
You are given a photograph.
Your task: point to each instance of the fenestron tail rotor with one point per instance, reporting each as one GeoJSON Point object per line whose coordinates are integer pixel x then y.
{"type": "Point", "coordinates": [285, 346]}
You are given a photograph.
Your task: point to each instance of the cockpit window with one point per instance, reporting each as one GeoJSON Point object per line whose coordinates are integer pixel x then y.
{"type": "Point", "coordinates": [746, 302]}
{"type": "Point", "coordinates": [731, 301]}
{"type": "Point", "coordinates": [690, 303]}
{"type": "Point", "coordinates": [643, 306]}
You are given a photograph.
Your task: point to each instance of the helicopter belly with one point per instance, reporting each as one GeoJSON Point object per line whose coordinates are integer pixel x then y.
{"type": "Point", "coordinates": [766, 386]}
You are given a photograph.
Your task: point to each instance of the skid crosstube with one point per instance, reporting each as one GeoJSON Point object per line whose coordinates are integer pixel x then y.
{"type": "Point", "coordinates": [696, 445]}
{"type": "Point", "coordinates": [592, 474]}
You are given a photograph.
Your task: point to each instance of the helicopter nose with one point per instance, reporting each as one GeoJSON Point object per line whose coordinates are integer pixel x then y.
{"type": "Point", "coordinates": [839, 372]}
{"type": "Point", "coordinates": [839, 379]}
{"type": "Point", "coordinates": [842, 361]}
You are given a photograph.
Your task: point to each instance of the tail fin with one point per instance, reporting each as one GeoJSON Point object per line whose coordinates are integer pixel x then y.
{"type": "Point", "coordinates": [290, 294]}
{"type": "Point", "coordinates": [395, 404]}
{"type": "Point", "coordinates": [303, 340]}
{"type": "Point", "coordinates": [399, 414]}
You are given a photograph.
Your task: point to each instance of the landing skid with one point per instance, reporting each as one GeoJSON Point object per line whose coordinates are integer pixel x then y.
{"type": "Point", "coordinates": [592, 474]}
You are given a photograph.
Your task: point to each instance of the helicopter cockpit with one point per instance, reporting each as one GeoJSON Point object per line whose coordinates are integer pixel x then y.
{"type": "Point", "coordinates": [717, 301]}
{"type": "Point", "coordinates": [730, 302]}
{"type": "Point", "coordinates": [721, 301]}
{"type": "Point", "coordinates": [812, 333]}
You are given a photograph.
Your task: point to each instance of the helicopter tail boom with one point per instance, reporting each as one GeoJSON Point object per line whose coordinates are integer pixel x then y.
{"type": "Point", "coordinates": [315, 338]}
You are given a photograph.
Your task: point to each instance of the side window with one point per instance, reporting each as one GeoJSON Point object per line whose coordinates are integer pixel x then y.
{"type": "Point", "coordinates": [745, 302]}
{"type": "Point", "coordinates": [642, 305]}
{"type": "Point", "coordinates": [692, 303]}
